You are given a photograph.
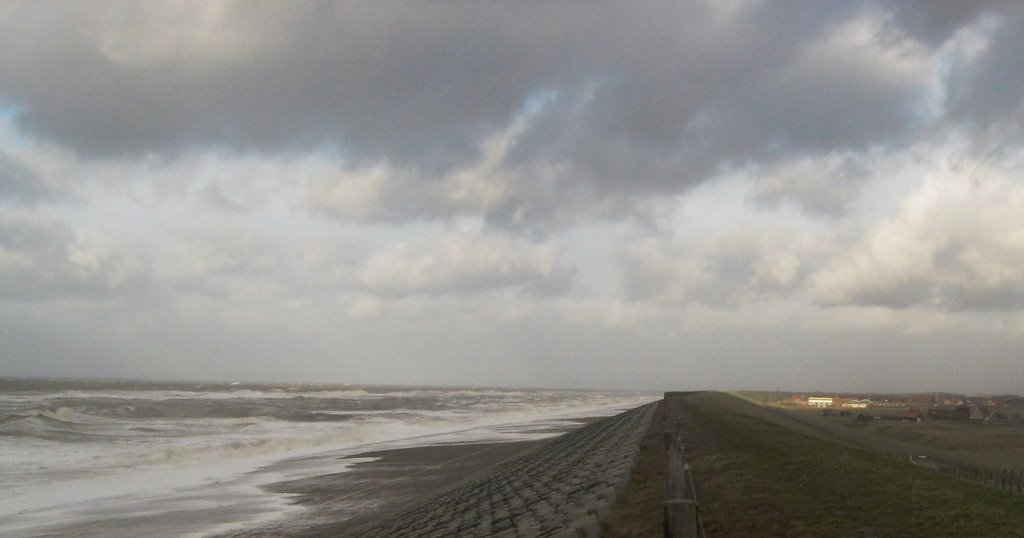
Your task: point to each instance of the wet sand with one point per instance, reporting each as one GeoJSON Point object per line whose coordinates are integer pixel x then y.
{"type": "Point", "coordinates": [384, 483]}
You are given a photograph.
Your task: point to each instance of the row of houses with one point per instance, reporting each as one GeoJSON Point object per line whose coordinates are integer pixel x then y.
{"type": "Point", "coordinates": [980, 414]}
{"type": "Point", "coordinates": [910, 415]}
{"type": "Point", "coordinates": [903, 401]}
{"type": "Point", "coordinates": [831, 401]}
{"type": "Point", "coordinates": [964, 412]}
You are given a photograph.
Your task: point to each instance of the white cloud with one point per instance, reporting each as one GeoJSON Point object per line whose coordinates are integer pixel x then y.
{"type": "Point", "coordinates": [358, 194]}
{"type": "Point", "coordinates": [152, 35]}
{"type": "Point", "coordinates": [721, 269]}
{"type": "Point", "coordinates": [42, 260]}
{"type": "Point", "coordinates": [956, 242]}
{"type": "Point", "coordinates": [31, 171]}
{"type": "Point", "coordinates": [868, 49]}
{"type": "Point", "coordinates": [819, 185]}
{"type": "Point", "coordinates": [466, 262]}
{"type": "Point", "coordinates": [210, 253]}
{"type": "Point", "coordinates": [382, 191]}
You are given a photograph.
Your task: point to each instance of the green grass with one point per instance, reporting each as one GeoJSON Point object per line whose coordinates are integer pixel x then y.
{"type": "Point", "coordinates": [757, 477]}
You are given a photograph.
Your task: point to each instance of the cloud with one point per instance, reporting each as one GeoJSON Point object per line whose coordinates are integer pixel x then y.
{"type": "Point", "coordinates": [721, 270]}
{"type": "Point", "coordinates": [210, 252]}
{"type": "Point", "coordinates": [30, 174]}
{"type": "Point", "coordinates": [819, 186]}
{"type": "Point", "coordinates": [127, 79]}
{"type": "Point", "coordinates": [534, 196]}
{"type": "Point", "coordinates": [434, 189]}
{"type": "Point", "coordinates": [935, 22]}
{"type": "Point", "coordinates": [955, 243]}
{"type": "Point", "coordinates": [466, 263]}
{"type": "Point", "coordinates": [19, 184]}
{"type": "Point", "coordinates": [849, 88]}
{"type": "Point", "coordinates": [627, 103]}
{"type": "Point", "coordinates": [42, 260]}
{"type": "Point", "coordinates": [986, 87]}
{"type": "Point", "coordinates": [383, 192]}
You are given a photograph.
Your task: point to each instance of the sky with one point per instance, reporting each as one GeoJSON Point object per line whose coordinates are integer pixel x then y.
{"type": "Point", "coordinates": [733, 194]}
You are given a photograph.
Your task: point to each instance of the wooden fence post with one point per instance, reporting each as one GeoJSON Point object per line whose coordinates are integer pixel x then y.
{"type": "Point", "coordinates": [680, 518]}
{"type": "Point", "coordinates": [680, 508]}
{"type": "Point", "coordinates": [675, 481]}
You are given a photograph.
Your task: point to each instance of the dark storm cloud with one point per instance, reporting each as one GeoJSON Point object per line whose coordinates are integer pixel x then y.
{"type": "Point", "coordinates": [644, 99]}
{"type": "Point", "coordinates": [403, 81]}
{"type": "Point", "coordinates": [989, 92]}
{"type": "Point", "coordinates": [936, 20]}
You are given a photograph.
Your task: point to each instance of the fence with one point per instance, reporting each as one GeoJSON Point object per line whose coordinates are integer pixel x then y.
{"type": "Point", "coordinates": [682, 512]}
{"type": "Point", "coordinates": [1005, 479]}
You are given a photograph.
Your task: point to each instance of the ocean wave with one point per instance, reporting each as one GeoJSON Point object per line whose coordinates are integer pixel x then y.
{"type": "Point", "coordinates": [61, 414]}
{"type": "Point", "coordinates": [68, 448]}
{"type": "Point", "coordinates": [46, 428]}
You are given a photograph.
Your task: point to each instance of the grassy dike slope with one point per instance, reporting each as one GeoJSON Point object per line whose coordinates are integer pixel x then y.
{"type": "Point", "coordinates": [756, 476]}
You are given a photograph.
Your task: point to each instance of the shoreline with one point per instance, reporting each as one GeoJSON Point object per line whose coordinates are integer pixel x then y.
{"type": "Point", "coordinates": [565, 487]}
{"type": "Point", "coordinates": [386, 482]}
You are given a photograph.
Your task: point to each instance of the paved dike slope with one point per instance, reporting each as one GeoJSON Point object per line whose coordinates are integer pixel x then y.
{"type": "Point", "coordinates": [563, 489]}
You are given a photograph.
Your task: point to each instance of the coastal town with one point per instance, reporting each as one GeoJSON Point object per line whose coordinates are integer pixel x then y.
{"type": "Point", "coordinates": [910, 407]}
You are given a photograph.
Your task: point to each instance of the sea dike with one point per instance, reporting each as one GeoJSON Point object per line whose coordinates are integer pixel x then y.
{"type": "Point", "coordinates": [563, 488]}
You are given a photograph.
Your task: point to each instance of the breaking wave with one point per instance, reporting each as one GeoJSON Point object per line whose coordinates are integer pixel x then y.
{"type": "Point", "coordinates": [139, 442]}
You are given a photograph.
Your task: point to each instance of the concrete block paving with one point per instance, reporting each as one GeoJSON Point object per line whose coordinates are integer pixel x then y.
{"type": "Point", "coordinates": [563, 489]}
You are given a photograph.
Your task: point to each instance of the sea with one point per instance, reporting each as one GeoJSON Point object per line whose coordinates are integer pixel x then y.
{"type": "Point", "coordinates": [143, 458]}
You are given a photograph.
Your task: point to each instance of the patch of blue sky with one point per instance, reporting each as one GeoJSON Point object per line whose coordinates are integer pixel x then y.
{"type": "Point", "coordinates": [538, 100]}
{"type": "Point", "coordinates": [9, 124]}
{"type": "Point", "coordinates": [9, 111]}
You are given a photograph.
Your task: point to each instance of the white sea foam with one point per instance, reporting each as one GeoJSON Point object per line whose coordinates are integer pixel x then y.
{"type": "Point", "coordinates": [76, 456]}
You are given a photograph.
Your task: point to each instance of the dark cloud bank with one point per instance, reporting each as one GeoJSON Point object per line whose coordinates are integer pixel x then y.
{"type": "Point", "coordinates": [636, 99]}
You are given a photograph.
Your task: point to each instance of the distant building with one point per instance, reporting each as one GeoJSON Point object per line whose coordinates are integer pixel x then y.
{"type": "Point", "coordinates": [910, 415]}
{"type": "Point", "coordinates": [980, 413]}
{"type": "Point", "coordinates": [819, 401]}
{"type": "Point", "coordinates": [942, 414]}
{"type": "Point", "coordinates": [857, 404]}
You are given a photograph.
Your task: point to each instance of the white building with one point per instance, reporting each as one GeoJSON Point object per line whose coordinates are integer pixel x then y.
{"type": "Point", "coordinates": [819, 401]}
